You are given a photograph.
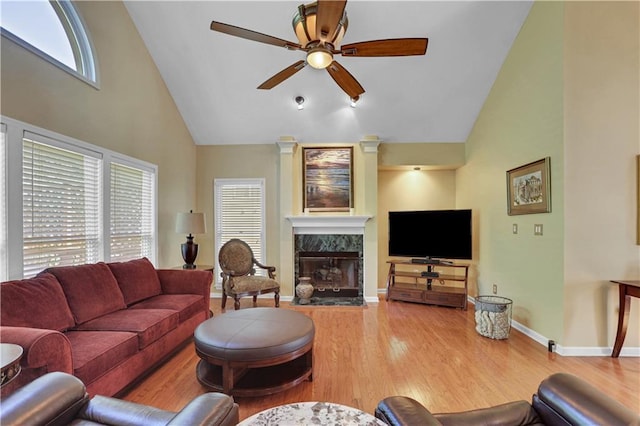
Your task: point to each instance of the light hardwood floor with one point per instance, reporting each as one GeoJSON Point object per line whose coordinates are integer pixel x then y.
{"type": "Point", "coordinates": [432, 354]}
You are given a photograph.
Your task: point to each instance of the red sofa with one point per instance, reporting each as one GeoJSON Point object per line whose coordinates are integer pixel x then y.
{"type": "Point", "coordinates": [105, 323]}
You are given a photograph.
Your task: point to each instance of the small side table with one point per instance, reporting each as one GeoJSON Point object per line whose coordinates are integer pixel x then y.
{"type": "Point", "coordinates": [627, 289]}
{"type": "Point", "coordinates": [197, 268]}
{"type": "Point", "coordinates": [10, 355]}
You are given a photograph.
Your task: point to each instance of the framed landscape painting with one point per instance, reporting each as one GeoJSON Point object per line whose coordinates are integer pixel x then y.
{"type": "Point", "coordinates": [529, 188]}
{"type": "Point", "coordinates": [328, 179]}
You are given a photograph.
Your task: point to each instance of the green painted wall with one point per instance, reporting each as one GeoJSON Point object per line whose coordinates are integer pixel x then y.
{"type": "Point", "coordinates": [521, 121]}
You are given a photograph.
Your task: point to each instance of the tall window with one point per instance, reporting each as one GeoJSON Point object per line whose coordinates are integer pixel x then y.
{"type": "Point", "coordinates": [132, 214]}
{"type": "Point", "coordinates": [52, 30]}
{"type": "Point", "coordinates": [68, 202]}
{"type": "Point", "coordinates": [3, 202]}
{"type": "Point", "coordinates": [240, 213]}
{"type": "Point", "coordinates": [62, 204]}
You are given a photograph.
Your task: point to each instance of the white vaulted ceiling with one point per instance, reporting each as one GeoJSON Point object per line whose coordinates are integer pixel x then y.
{"type": "Point", "coordinates": [433, 98]}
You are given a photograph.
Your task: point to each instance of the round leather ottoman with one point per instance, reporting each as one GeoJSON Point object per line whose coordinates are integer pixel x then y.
{"type": "Point", "coordinates": [256, 351]}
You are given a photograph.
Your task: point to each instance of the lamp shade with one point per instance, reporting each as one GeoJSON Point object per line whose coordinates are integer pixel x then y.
{"type": "Point", "coordinates": [190, 223]}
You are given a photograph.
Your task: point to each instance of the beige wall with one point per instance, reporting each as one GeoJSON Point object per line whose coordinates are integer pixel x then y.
{"type": "Point", "coordinates": [238, 161]}
{"type": "Point", "coordinates": [401, 190]}
{"type": "Point", "coordinates": [601, 141]}
{"type": "Point", "coordinates": [131, 113]}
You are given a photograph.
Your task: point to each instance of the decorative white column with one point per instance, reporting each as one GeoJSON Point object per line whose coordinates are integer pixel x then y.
{"type": "Point", "coordinates": [369, 146]}
{"type": "Point", "coordinates": [285, 275]}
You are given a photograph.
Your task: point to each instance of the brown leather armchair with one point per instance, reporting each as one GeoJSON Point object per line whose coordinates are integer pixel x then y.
{"type": "Point", "coordinates": [239, 277]}
{"type": "Point", "coordinates": [60, 399]}
{"type": "Point", "coordinates": [562, 399]}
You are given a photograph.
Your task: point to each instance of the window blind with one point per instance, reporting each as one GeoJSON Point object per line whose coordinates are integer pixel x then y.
{"type": "Point", "coordinates": [62, 211]}
{"type": "Point", "coordinates": [240, 213]}
{"type": "Point", "coordinates": [3, 202]}
{"type": "Point", "coordinates": [132, 213]}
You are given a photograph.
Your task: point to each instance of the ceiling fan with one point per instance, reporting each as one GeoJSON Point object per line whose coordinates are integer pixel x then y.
{"type": "Point", "coordinates": [320, 27]}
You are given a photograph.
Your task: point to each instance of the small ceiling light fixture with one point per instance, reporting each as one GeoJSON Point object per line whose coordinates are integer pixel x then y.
{"type": "Point", "coordinates": [354, 101]}
{"type": "Point", "coordinates": [319, 43]}
{"type": "Point", "coordinates": [300, 101]}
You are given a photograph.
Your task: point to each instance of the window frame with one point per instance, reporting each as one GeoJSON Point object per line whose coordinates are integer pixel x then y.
{"type": "Point", "coordinates": [14, 208]}
{"type": "Point", "coordinates": [79, 41]}
{"type": "Point", "coordinates": [220, 183]}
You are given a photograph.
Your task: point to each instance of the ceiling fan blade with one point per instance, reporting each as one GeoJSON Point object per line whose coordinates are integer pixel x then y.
{"type": "Point", "coordinates": [389, 47]}
{"type": "Point", "coordinates": [253, 35]}
{"type": "Point", "coordinates": [345, 80]}
{"type": "Point", "coordinates": [328, 17]}
{"type": "Point", "coordinates": [282, 75]}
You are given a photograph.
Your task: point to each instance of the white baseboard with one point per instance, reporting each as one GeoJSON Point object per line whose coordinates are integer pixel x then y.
{"type": "Point", "coordinates": [570, 350]}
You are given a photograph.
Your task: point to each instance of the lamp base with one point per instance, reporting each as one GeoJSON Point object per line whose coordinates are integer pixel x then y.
{"type": "Point", "coordinates": [189, 253]}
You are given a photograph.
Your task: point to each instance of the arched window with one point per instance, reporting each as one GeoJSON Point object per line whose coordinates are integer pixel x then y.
{"type": "Point", "coordinates": [53, 30]}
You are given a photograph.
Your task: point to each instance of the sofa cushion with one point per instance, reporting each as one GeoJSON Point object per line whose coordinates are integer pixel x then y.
{"type": "Point", "coordinates": [137, 279]}
{"type": "Point", "coordinates": [91, 290]}
{"type": "Point", "coordinates": [148, 324]}
{"type": "Point", "coordinates": [35, 302]}
{"type": "Point", "coordinates": [96, 352]}
{"type": "Point", "coordinates": [187, 305]}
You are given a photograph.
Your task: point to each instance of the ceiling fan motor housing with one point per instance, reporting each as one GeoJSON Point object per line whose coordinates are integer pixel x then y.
{"type": "Point", "coordinates": [304, 25]}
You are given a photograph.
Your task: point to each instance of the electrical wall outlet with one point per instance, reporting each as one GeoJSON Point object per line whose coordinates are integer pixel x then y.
{"type": "Point", "coordinates": [495, 289]}
{"type": "Point", "coordinates": [537, 229]}
{"type": "Point", "coordinates": [515, 228]}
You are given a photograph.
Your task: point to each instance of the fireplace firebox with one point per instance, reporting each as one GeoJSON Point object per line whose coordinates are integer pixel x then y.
{"type": "Point", "coordinates": [332, 274]}
{"type": "Point", "coordinates": [334, 265]}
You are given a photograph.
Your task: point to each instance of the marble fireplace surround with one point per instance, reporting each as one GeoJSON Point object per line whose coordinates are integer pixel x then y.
{"type": "Point", "coordinates": [332, 234]}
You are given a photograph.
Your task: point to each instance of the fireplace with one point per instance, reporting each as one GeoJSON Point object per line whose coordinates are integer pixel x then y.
{"type": "Point", "coordinates": [332, 274]}
{"type": "Point", "coordinates": [334, 263]}
{"type": "Point", "coordinates": [328, 244]}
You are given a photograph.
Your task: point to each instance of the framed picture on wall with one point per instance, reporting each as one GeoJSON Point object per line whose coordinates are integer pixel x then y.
{"type": "Point", "coordinates": [529, 188]}
{"type": "Point", "coordinates": [327, 179]}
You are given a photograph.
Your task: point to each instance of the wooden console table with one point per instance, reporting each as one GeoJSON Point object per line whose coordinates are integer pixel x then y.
{"type": "Point", "coordinates": [627, 289]}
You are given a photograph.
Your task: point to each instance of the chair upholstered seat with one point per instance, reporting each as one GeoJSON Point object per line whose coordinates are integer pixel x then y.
{"type": "Point", "coordinates": [252, 283]}
{"type": "Point", "coordinates": [238, 266]}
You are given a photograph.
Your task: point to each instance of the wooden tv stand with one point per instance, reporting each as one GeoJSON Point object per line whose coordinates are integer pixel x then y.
{"type": "Point", "coordinates": [406, 282]}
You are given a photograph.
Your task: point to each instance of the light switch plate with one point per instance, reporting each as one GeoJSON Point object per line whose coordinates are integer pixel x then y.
{"type": "Point", "coordinates": [537, 229]}
{"type": "Point", "coordinates": [515, 228]}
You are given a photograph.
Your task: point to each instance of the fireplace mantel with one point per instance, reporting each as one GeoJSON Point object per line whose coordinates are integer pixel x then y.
{"type": "Point", "coordinates": [326, 224]}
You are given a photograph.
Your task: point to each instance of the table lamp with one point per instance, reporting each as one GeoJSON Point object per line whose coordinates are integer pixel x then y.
{"type": "Point", "coordinates": [190, 223]}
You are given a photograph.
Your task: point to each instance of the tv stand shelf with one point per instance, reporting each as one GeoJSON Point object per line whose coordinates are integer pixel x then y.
{"type": "Point", "coordinates": [406, 282]}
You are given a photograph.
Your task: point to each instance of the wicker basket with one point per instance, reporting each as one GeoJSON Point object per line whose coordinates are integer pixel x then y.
{"type": "Point", "coordinates": [493, 316]}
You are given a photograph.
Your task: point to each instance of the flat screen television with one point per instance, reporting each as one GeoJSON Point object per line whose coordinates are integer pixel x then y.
{"type": "Point", "coordinates": [438, 234]}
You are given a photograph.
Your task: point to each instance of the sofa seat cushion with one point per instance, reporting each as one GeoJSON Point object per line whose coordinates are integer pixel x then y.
{"type": "Point", "coordinates": [91, 290]}
{"type": "Point", "coordinates": [187, 305]}
{"type": "Point", "coordinates": [137, 279]}
{"type": "Point", "coordinates": [35, 302]}
{"type": "Point", "coordinates": [96, 352]}
{"type": "Point", "coordinates": [148, 324]}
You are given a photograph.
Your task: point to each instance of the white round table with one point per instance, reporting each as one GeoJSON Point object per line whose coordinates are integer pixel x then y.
{"type": "Point", "coordinates": [312, 413]}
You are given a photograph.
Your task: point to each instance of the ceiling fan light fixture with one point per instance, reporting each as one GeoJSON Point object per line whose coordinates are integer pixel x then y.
{"type": "Point", "coordinates": [353, 102]}
{"type": "Point", "coordinates": [304, 25]}
{"type": "Point", "coordinates": [300, 101]}
{"type": "Point", "coordinates": [319, 58]}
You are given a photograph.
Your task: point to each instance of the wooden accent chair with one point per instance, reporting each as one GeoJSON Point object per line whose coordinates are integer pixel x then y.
{"type": "Point", "coordinates": [238, 274]}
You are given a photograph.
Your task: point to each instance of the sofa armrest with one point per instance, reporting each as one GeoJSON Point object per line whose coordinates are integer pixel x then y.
{"type": "Point", "coordinates": [41, 348]}
{"type": "Point", "coordinates": [517, 413]}
{"type": "Point", "coordinates": [566, 398]}
{"type": "Point", "coordinates": [53, 399]}
{"type": "Point", "coordinates": [178, 281]}
{"type": "Point", "coordinates": [111, 411]}
{"type": "Point", "coordinates": [402, 410]}
{"type": "Point", "coordinates": [213, 408]}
